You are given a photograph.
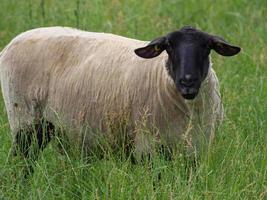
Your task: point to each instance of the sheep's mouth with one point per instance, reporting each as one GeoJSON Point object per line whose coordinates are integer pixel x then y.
{"type": "Point", "coordinates": [189, 96]}
{"type": "Point", "coordinates": [189, 93]}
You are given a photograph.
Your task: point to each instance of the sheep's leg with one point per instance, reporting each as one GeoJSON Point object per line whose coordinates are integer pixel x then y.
{"type": "Point", "coordinates": [22, 146]}
{"type": "Point", "coordinates": [31, 140]}
{"type": "Point", "coordinates": [40, 133]}
{"type": "Point", "coordinates": [22, 142]}
{"type": "Point", "coordinates": [44, 132]}
{"type": "Point", "coordinates": [143, 146]}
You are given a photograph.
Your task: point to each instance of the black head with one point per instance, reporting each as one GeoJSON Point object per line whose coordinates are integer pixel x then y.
{"type": "Point", "coordinates": [188, 50]}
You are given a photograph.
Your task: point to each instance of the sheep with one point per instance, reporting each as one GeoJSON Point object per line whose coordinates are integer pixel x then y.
{"type": "Point", "coordinates": [78, 79]}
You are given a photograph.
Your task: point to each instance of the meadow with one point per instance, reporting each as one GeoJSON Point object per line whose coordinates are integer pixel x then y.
{"type": "Point", "coordinates": [234, 167]}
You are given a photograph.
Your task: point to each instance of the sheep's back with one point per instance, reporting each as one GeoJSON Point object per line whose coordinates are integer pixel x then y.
{"type": "Point", "coordinates": [81, 77]}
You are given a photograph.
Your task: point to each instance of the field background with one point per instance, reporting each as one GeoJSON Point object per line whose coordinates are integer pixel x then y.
{"type": "Point", "coordinates": [235, 167]}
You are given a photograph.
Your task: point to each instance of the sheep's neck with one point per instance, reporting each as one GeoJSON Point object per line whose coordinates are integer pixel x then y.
{"type": "Point", "coordinates": [168, 94]}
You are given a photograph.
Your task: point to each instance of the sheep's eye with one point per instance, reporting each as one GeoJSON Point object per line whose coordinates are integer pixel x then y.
{"type": "Point", "coordinates": [205, 46]}
{"type": "Point", "coordinates": [157, 48]}
{"type": "Point", "coordinates": [170, 49]}
{"type": "Point", "coordinates": [206, 52]}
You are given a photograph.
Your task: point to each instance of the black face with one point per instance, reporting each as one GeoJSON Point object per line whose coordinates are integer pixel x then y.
{"type": "Point", "coordinates": [188, 51]}
{"type": "Point", "coordinates": [188, 60]}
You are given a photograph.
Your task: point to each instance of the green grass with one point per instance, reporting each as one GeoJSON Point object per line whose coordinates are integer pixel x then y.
{"type": "Point", "coordinates": [235, 167]}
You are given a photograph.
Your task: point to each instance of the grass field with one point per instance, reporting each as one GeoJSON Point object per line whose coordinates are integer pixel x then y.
{"type": "Point", "coordinates": [235, 167]}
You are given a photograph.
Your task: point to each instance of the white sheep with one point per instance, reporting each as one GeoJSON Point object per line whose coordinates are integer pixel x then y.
{"type": "Point", "coordinates": [82, 79]}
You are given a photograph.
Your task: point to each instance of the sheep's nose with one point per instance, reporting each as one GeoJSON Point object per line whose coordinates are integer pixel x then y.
{"type": "Point", "coordinates": [187, 80]}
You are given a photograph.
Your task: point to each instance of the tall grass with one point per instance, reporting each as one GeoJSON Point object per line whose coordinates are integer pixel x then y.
{"type": "Point", "coordinates": [235, 167]}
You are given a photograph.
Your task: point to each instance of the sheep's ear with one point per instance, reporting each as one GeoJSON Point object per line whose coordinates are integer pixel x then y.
{"type": "Point", "coordinates": [222, 47]}
{"type": "Point", "coordinates": [153, 49]}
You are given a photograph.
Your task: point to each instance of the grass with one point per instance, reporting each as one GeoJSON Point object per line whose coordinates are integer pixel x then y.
{"type": "Point", "coordinates": [235, 167]}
